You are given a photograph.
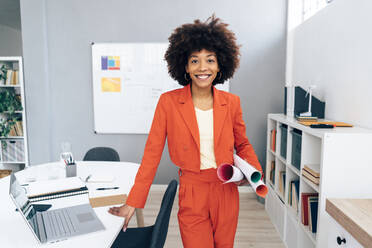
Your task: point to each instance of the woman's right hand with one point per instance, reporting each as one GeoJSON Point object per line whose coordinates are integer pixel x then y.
{"type": "Point", "coordinates": [125, 211]}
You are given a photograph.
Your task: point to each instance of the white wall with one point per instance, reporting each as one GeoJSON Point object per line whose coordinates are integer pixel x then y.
{"type": "Point", "coordinates": [10, 41]}
{"type": "Point", "coordinates": [57, 64]}
{"type": "Point", "coordinates": [333, 50]}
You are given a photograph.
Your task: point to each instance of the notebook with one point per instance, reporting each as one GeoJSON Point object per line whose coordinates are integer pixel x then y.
{"type": "Point", "coordinates": [51, 189]}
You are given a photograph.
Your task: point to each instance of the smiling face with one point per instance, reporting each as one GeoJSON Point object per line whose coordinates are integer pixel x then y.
{"type": "Point", "coordinates": [203, 68]}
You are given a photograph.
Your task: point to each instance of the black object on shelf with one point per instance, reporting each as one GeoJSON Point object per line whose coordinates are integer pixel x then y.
{"type": "Point", "coordinates": [283, 140]}
{"type": "Point", "coordinates": [321, 126]}
{"type": "Point", "coordinates": [296, 148]}
{"type": "Point", "coordinates": [301, 103]}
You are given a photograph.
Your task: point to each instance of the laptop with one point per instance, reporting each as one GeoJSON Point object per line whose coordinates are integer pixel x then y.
{"type": "Point", "coordinates": [54, 225]}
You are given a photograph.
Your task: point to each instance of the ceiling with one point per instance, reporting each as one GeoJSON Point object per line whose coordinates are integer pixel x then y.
{"type": "Point", "coordinates": [10, 14]}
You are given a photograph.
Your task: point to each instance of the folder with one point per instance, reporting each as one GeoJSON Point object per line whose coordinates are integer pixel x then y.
{"type": "Point", "coordinates": [102, 201]}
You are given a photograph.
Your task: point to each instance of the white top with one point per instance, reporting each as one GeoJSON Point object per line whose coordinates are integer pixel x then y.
{"type": "Point", "coordinates": [205, 124]}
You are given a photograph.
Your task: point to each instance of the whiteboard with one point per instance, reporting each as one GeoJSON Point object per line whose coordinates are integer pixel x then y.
{"type": "Point", "coordinates": [128, 79]}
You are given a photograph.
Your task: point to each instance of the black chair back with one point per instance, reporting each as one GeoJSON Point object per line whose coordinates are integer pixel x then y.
{"type": "Point", "coordinates": [160, 230]}
{"type": "Point", "coordinates": [101, 154]}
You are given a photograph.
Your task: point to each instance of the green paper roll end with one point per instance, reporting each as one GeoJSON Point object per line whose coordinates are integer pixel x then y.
{"type": "Point", "coordinates": [255, 177]}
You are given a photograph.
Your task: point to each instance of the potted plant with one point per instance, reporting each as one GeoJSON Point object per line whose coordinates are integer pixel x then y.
{"type": "Point", "coordinates": [9, 104]}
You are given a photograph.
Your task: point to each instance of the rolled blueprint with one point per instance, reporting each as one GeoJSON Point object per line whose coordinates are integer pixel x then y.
{"type": "Point", "coordinates": [252, 174]}
{"type": "Point", "coordinates": [260, 188]}
{"type": "Point", "coordinates": [228, 173]}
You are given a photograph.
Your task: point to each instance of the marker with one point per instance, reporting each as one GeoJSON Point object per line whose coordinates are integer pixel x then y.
{"type": "Point", "coordinates": [107, 188]}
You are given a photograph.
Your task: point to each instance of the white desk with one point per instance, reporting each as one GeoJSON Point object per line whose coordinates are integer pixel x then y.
{"type": "Point", "coordinates": [14, 231]}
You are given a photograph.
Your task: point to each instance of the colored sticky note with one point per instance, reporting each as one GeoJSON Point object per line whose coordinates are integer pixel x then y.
{"type": "Point", "coordinates": [104, 62]}
{"type": "Point", "coordinates": [110, 84]}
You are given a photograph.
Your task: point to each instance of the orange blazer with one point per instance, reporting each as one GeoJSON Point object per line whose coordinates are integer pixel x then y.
{"type": "Point", "coordinates": [175, 120]}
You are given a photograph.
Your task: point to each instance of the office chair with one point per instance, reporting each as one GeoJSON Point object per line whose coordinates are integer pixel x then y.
{"type": "Point", "coordinates": [151, 236]}
{"type": "Point", "coordinates": [101, 154]}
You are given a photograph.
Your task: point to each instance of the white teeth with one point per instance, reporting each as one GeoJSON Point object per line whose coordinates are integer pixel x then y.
{"type": "Point", "coordinates": [202, 76]}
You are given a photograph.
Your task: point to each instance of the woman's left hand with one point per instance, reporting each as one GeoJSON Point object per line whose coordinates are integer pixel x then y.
{"type": "Point", "coordinates": [242, 182]}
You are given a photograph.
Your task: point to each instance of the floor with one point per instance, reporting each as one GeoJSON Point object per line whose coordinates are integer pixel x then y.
{"type": "Point", "coordinates": [255, 229]}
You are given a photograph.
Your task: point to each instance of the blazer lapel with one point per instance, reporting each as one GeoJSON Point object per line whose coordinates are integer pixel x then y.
{"type": "Point", "coordinates": [219, 114]}
{"type": "Point", "coordinates": [187, 111]}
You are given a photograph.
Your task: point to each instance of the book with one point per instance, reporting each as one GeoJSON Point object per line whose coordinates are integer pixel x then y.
{"type": "Point", "coordinates": [305, 207]}
{"type": "Point", "coordinates": [334, 123]}
{"type": "Point", "coordinates": [272, 172]}
{"type": "Point", "coordinates": [13, 131]}
{"type": "Point", "coordinates": [9, 74]}
{"type": "Point", "coordinates": [14, 79]}
{"type": "Point", "coordinates": [19, 128]}
{"type": "Point", "coordinates": [295, 194]}
{"type": "Point", "coordinates": [306, 118]}
{"type": "Point", "coordinates": [312, 169]}
{"type": "Point", "coordinates": [273, 140]}
{"type": "Point", "coordinates": [52, 189]}
{"type": "Point", "coordinates": [282, 182]}
{"type": "Point", "coordinates": [310, 177]}
{"type": "Point", "coordinates": [313, 213]}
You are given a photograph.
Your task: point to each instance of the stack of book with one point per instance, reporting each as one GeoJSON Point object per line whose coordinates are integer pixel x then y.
{"type": "Point", "coordinates": [272, 172]}
{"type": "Point", "coordinates": [17, 129]}
{"type": "Point", "coordinates": [309, 210]}
{"type": "Point", "coordinates": [294, 194]}
{"type": "Point", "coordinates": [273, 140]}
{"type": "Point", "coordinates": [311, 172]}
{"type": "Point", "coordinates": [306, 118]}
{"type": "Point", "coordinates": [12, 77]}
{"type": "Point", "coordinates": [282, 182]}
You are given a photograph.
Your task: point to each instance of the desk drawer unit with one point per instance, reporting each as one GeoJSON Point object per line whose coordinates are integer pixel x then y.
{"type": "Point", "coordinates": [339, 237]}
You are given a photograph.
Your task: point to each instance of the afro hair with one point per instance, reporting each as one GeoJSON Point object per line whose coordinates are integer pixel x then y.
{"type": "Point", "coordinates": [211, 35]}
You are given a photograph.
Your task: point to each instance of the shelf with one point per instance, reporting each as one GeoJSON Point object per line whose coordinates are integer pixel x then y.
{"type": "Point", "coordinates": [277, 192]}
{"type": "Point", "coordinates": [10, 86]}
{"type": "Point", "coordinates": [327, 151]}
{"type": "Point", "coordinates": [282, 159]}
{"type": "Point", "coordinates": [12, 162]}
{"type": "Point", "coordinates": [292, 212]}
{"type": "Point", "coordinates": [311, 235]}
{"type": "Point", "coordinates": [13, 137]}
{"type": "Point", "coordinates": [311, 184]}
{"type": "Point", "coordinates": [294, 169]}
{"type": "Point", "coordinates": [17, 146]}
{"type": "Point", "coordinates": [280, 195]}
{"type": "Point", "coordinates": [271, 184]}
{"type": "Point", "coordinates": [17, 112]}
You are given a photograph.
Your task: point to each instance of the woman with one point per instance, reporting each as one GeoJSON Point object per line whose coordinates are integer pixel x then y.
{"type": "Point", "coordinates": [203, 125]}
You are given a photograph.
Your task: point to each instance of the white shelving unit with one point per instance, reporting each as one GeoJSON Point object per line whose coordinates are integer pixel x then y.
{"type": "Point", "coordinates": [15, 157]}
{"type": "Point", "coordinates": [345, 166]}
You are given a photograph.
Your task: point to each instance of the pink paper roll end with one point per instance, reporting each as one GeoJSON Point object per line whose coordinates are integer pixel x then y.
{"type": "Point", "coordinates": [261, 190]}
{"type": "Point", "coordinates": [225, 172]}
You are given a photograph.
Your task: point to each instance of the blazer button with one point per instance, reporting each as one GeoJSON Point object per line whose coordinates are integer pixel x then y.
{"type": "Point", "coordinates": [185, 148]}
{"type": "Point", "coordinates": [231, 149]}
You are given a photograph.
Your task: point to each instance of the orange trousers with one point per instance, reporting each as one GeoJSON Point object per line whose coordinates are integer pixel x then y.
{"type": "Point", "coordinates": [208, 210]}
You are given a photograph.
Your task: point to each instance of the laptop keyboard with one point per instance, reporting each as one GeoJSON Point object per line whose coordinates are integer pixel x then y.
{"type": "Point", "coordinates": [60, 223]}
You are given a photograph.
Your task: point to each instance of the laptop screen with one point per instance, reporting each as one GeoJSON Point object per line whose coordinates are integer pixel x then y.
{"type": "Point", "coordinates": [24, 206]}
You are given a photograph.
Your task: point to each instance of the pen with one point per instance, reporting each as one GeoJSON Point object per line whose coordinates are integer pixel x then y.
{"type": "Point", "coordinates": [107, 188]}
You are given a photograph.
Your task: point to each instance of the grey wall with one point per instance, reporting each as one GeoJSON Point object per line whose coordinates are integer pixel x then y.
{"type": "Point", "coordinates": [57, 37]}
{"type": "Point", "coordinates": [10, 41]}
{"type": "Point", "coordinates": [333, 50]}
